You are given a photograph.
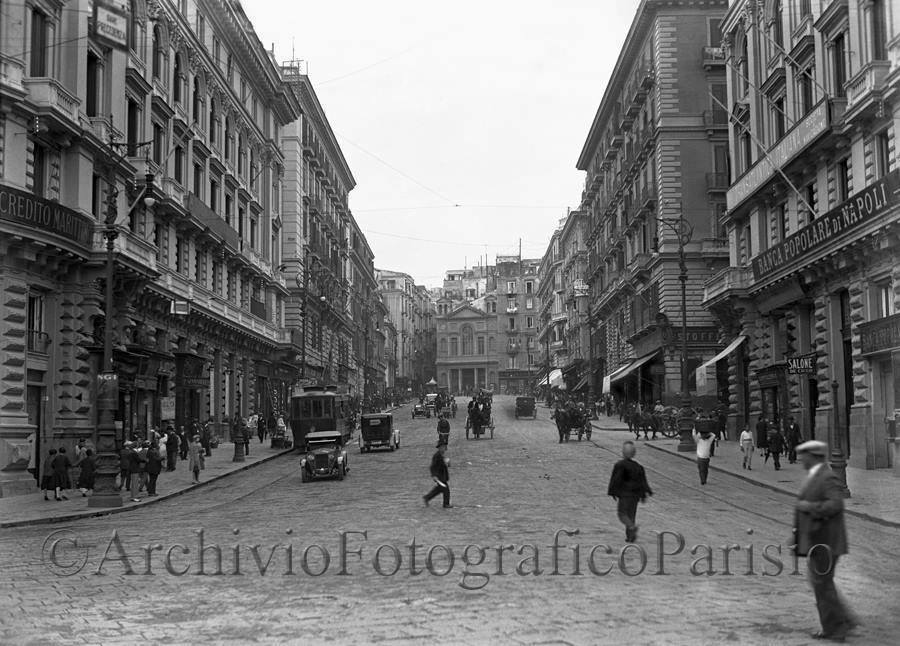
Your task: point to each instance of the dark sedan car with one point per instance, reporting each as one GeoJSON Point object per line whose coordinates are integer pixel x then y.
{"type": "Point", "coordinates": [421, 410]}
{"type": "Point", "coordinates": [325, 456]}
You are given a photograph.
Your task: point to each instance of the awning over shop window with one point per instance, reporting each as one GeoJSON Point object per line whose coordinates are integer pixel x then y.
{"type": "Point", "coordinates": [581, 384]}
{"type": "Point", "coordinates": [556, 379]}
{"type": "Point", "coordinates": [706, 373]}
{"type": "Point", "coordinates": [626, 370]}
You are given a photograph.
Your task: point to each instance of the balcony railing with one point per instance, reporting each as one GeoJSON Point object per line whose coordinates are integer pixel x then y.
{"type": "Point", "coordinates": [37, 342]}
{"type": "Point", "coordinates": [713, 56]}
{"type": "Point", "coordinates": [129, 245]}
{"type": "Point", "coordinates": [729, 279]}
{"type": "Point", "coordinates": [866, 86]}
{"type": "Point", "coordinates": [258, 309]}
{"type": "Point", "coordinates": [12, 73]}
{"type": "Point", "coordinates": [50, 93]}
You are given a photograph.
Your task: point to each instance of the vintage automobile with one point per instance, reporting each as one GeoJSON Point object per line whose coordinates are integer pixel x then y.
{"type": "Point", "coordinates": [525, 407]}
{"type": "Point", "coordinates": [421, 410]}
{"type": "Point", "coordinates": [325, 456]}
{"type": "Point", "coordinates": [378, 429]}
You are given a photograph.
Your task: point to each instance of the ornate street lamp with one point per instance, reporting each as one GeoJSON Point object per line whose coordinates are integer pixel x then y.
{"type": "Point", "coordinates": [106, 494]}
{"type": "Point", "coordinates": [683, 229]}
{"type": "Point", "coordinates": [838, 462]}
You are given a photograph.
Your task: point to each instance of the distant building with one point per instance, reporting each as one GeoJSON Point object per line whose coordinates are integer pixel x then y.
{"type": "Point", "coordinates": [412, 313]}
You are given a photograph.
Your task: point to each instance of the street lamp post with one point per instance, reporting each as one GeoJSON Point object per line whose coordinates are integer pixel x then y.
{"type": "Point", "coordinates": [105, 493]}
{"type": "Point", "coordinates": [685, 414]}
{"type": "Point", "coordinates": [838, 462]}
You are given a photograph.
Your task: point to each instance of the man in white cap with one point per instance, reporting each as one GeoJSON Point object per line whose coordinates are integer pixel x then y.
{"type": "Point", "coordinates": [821, 536]}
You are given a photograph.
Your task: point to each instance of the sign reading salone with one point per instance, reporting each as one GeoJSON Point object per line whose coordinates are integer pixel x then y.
{"type": "Point", "coordinates": [860, 208]}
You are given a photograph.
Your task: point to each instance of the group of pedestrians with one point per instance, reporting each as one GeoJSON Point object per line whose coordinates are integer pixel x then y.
{"type": "Point", "coordinates": [59, 471]}
{"type": "Point", "coordinates": [771, 441]}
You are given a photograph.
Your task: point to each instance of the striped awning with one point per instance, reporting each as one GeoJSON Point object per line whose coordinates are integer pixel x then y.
{"type": "Point", "coordinates": [706, 373]}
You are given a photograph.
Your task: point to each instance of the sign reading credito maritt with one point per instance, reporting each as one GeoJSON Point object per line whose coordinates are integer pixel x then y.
{"type": "Point", "coordinates": [870, 202]}
{"type": "Point", "coordinates": [45, 216]}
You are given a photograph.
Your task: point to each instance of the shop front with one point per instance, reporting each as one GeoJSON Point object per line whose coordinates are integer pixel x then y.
{"type": "Point", "coordinates": [880, 345]}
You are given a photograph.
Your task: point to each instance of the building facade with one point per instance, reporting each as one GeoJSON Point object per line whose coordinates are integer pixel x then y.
{"type": "Point", "coordinates": [518, 314]}
{"type": "Point", "coordinates": [810, 298]}
{"type": "Point", "coordinates": [412, 313]}
{"type": "Point", "coordinates": [553, 319]}
{"type": "Point", "coordinates": [656, 161]}
{"type": "Point", "coordinates": [577, 370]}
{"type": "Point", "coordinates": [183, 107]}
{"type": "Point", "coordinates": [468, 343]}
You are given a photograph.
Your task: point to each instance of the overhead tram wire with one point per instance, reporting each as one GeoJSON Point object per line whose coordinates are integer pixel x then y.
{"type": "Point", "coordinates": [398, 171]}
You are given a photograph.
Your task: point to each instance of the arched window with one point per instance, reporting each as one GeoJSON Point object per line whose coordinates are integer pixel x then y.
{"type": "Point", "coordinates": [776, 26]}
{"type": "Point", "coordinates": [197, 103]}
{"type": "Point", "coordinates": [229, 137]}
{"type": "Point", "coordinates": [159, 59]}
{"type": "Point", "coordinates": [213, 121]}
{"type": "Point", "coordinates": [468, 340]}
{"type": "Point", "coordinates": [240, 154]}
{"type": "Point", "coordinates": [490, 345]}
{"type": "Point", "coordinates": [177, 79]}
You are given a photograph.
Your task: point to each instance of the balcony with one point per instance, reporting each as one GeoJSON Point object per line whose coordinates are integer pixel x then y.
{"type": "Point", "coordinates": [616, 140]}
{"type": "Point", "coordinates": [512, 310]}
{"type": "Point", "coordinates": [102, 129]}
{"type": "Point", "coordinates": [173, 190]}
{"type": "Point", "coordinates": [211, 220]}
{"type": "Point", "coordinates": [37, 342]}
{"type": "Point", "coordinates": [713, 57]}
{"type": "Point", "coordinates": [513, 348]}
{"type": "Point", "coordinates": [513, 331]}
{"type": "Point", "coordinates": [12, 73]}
{"type": "Point", "coordinates": [716, 182]}
{"type": "Point", "coordinates": [140, 252]}
{"type": "Point", "coordinates": [54, 101]}
{"type": "Point", "coordinates": [865, 90]}
{"type": "Point", "coordinates": [731, 281]}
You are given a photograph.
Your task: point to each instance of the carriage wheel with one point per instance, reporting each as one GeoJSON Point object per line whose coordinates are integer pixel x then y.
{"type": "Point", "coordinates": [669, 430]}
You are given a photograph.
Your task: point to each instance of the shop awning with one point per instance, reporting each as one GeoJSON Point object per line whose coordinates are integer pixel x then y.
{"type": "Point", "coordinates": [556, 379]}
{"type": "Point", "coordinates": [626, 370]}
{"type": "Point", "coordinates": [706, 373]}
{"type": "Point", "coordinates": [581, 384]}
{"type": "Point", "coordinates": [540, 378]}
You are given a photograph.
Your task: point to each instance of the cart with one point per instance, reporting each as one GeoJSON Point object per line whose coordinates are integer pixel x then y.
{"type": "Point", "coordinates": [485, 424]}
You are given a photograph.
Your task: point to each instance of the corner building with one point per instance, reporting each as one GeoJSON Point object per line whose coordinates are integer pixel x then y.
{"type": "Point", "coordinates": [809, 301]}
{"type": "Point", "coordinates": [656, 162]}
{"type": "Point", "coordinates": [194, 105]}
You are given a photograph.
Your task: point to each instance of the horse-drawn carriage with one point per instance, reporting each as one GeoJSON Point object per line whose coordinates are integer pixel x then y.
{"type": "Point", "coordinates": [647, 422]}
{"type": "Point", "coordinates": [480, 418]}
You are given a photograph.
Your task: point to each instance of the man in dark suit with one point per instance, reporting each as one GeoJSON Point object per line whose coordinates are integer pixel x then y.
{"type": "Point", "coordinates": [440, 473]}
{"type": "Point", "coordinates": [821, 536]}
{"type": "Point", "coordinates": [628, 485]}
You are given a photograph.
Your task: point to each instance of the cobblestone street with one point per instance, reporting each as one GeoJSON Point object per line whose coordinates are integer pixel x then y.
{"type": "Point", "coordinates": [287, 578]}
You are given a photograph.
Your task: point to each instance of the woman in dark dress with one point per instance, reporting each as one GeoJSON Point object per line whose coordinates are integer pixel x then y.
{"type": "Point", "coordinates": [60, 466]}
{"type": "Point", "coordinates": [47, 473]}
{"type": "Point", "coordinates": [88, 473]}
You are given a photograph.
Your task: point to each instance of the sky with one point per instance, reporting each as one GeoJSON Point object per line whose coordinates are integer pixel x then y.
{"type": "Point", "coordinates": [461, 122]}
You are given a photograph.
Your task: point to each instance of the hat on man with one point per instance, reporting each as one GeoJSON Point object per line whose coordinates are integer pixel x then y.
{"type": "Point", "coordinates": [813, 447]}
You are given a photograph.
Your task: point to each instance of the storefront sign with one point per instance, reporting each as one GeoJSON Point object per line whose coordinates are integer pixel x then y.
{"type": "Point", "coordinates": [696, 335]}
{"type": "Point", "coordinates": [792, 144]}
{"type": "Point", "coordinates": [45, 216]}
{"type": "Point", "coordinates": [854, 212]}
{"type": "Point", "coordinates": [881, 335]}
{"type": "Point", "coordinates": [111, 23]}
{"type": "Point", "coordinates": [167, 408]}
{"type": "Point", "coordinates": [191, 372]}
{"type": "Point", "coordinates": [804, 364]}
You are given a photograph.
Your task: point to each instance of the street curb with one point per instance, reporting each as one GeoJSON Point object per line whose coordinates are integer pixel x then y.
{"type": "Point", "coordinates": [766, 485]}
{"type": "Point", "coordinates": [142, 504]}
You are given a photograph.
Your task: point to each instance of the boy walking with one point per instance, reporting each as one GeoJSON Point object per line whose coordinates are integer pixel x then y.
{"type": "Point", "coordinates": [704, 442]}
{"type": "Point", "coordinates": [628, 485]}
{"type": "Point", "coordinates": [440, 473]}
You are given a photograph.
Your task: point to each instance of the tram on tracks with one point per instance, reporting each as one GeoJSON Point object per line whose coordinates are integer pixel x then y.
{"type": "Point", "coordinates": [321, 408]}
